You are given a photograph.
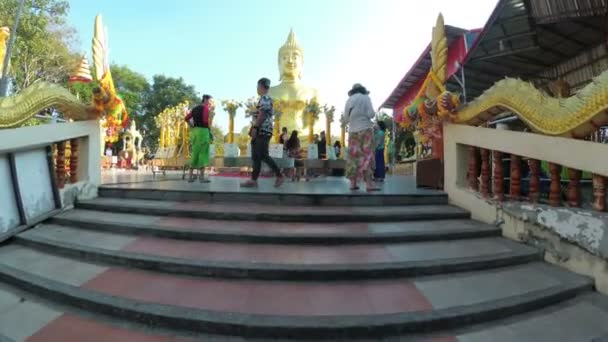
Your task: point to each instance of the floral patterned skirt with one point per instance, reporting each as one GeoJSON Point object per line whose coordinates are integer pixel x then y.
{"type": "Point", "coordinates": [360, 154]}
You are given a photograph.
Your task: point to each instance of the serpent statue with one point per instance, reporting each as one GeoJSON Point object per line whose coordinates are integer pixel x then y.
{"type": "Point", "coordinates": [577, 116]}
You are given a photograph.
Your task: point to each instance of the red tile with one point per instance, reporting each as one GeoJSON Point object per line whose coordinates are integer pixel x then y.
{"type": "Point", "coordinates": [441, 339]}
{"type": "Point", "coordinates": [262, 297]}
{"type": "Point", "coordinates": [262, 227]}
{"type": "Point", "coordinates": [72, 328]}
{"type": "Point", "coordinates": [260, 253]}
{"type": "Point", "coordinates": [394, 297]}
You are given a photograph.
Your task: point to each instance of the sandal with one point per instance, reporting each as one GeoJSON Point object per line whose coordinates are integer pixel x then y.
{"type": "Point", "coordinates": [279, 181]}
{"type": "Point", "coordinates": [372, 189]}
{"type": "Point", "coordinates": [354, 188]}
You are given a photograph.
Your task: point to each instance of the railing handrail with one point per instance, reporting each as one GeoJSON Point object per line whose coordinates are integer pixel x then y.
{"type": "Point", "coordinates": [536, 146]}
{"type": "Point", "coordinates": [25, 138]}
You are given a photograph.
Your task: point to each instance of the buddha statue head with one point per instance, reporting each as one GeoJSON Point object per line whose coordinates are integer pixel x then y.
{"type": "Point", "coordinates": [291, 59]}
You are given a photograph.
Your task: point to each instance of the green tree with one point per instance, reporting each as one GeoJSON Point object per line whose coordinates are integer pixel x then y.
{"type": "Point", "coordinates": [132, 87]}
{"type": "Point", "coordinates": [42, 49]}
{"type": "Point", "coordinates": [218, 139]}
{"type": "Point", "coordinates": [165, 92]}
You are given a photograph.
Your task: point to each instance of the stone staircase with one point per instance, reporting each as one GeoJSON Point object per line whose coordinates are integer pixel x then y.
{"type": "Point", "coordinates": [167, 265]}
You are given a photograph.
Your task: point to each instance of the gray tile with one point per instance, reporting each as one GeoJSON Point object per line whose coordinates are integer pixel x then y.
{"type": "Point", "coordinates": [448, 249]}
{"type": "Point", "coordinates": [473, 288]}
{"type": "Point", "coordinates": [394, 185]}
{"type": "Point", "coordinates": [23, 319]}
{"type": "Point", "coordinates": [79, 236]}
{"type": "Point", "coordinates": [580, 322]}
{"type": "Point", "coordinates": [49, 266]}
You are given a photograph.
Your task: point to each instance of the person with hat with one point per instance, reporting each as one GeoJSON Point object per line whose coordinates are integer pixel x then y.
{"type": "Point", "coordinates": [358, 113]}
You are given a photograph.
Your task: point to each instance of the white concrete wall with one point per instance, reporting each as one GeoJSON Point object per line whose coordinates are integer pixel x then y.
{"type": "Point", "coordinates": [28, 146]}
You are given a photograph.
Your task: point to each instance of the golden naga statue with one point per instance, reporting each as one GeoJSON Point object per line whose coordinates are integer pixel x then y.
{"type": "Point", "coordinates": [105, 99]}
{"type": "Point", "coordinates": [15, 110]}
{"type": "Point", "coordinates": [577, 116]}
{"type": "Point", "coordinates": [291, 91]}
{"type": "Point", "coordinates": [5, 33]}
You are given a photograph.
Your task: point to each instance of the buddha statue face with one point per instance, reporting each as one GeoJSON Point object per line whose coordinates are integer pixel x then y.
{"type": "Point", "coordinates": [290, 63]}
{"type": "Point", "coordinates": [291, 59]}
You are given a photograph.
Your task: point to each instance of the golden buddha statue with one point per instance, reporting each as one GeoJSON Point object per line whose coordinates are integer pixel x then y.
{"type": "Point", "coordinates": [291, 91]}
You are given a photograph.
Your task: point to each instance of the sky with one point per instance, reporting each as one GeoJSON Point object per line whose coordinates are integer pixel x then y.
{"type": "Point", "coordinates": [224, 46]}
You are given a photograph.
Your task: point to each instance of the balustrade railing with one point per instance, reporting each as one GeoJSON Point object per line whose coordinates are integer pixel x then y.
{"type": "Point", "coordinates": [504, 165]}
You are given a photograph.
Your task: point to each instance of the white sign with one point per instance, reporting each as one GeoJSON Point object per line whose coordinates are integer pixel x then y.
{"type": "Point", "coordinates": [276, 150]}
{"type": "Point", "coordinates": [313, 151]}
{"type": "Point", "coordinates": [331, 153]}
{"type": "Point", "coordinates": [231, 150]}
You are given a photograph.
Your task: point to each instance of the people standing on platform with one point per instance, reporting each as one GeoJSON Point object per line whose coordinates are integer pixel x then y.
{"type": "Point", "coordinates": [200, 137]}
{"type": "Point", "coordinates": [260, 133]}
{"type": "Point", "coordinates": [294, 151]}
{"type": "Point", "coordinates": [359, 113]}
{"type": "Point", "coordinates": [284, 136]}
{"type": "Point", "coordinates": [322, 146]}
{"type": "Point", "coordinates": [380, 136]}
{"type": "Point", "coordinates": [337, 148]}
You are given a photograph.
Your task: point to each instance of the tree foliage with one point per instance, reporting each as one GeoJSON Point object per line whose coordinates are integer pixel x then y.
{"type": "Point", "coordinates": [165, 92]}
{"type": "Point", "coordinates": [43, 45]}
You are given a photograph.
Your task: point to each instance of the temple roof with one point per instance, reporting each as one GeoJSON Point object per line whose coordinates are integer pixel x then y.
{"type": "Point", "coordinates": [522, 38]}
{"type": "Point", "coordinates": [420, 68]}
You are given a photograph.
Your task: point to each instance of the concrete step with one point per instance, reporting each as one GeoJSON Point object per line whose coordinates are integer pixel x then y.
{"type": "Point", "coordinates": [330, 193]}
{"type": "Point", "coordinates": [580, 319]}
{"type": "Point", "coordinates": [192, 229]}
{"type": "Point", "coordinates": [260, 212]}
{"type": "Point", "coordinates": [279, 262]}
{"type": "Point", "coordinates": [272, 309]}
{"type": "Point", "coordinates": [25, 317]}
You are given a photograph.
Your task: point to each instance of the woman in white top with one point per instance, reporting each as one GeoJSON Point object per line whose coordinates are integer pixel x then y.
{"type": "Point", "coordinates": [359, 113]}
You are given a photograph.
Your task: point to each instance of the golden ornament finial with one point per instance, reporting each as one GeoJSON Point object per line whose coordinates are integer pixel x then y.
{"type": "Point", "coordinates": [291, 44]}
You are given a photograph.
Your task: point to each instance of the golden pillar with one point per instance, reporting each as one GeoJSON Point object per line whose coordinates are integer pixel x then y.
{"type": "Point", "coordinates": [311, 127]}
{"type": "Point", "coordinates": [231, 128]}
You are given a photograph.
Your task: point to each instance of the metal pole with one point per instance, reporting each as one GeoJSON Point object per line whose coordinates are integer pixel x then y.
{"type": "Point", "coordinates": [9, 49]}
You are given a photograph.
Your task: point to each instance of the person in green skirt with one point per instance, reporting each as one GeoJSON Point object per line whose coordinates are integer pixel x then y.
{"type": "Point", "coordinates": [200, 138]}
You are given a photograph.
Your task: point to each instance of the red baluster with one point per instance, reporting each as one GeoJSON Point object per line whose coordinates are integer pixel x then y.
{"type": "Point", "coordinates": [534, 188]}
{"type": "Point", "coordinates": [60, 171]}
{"type": "Point", "coordinates": [515, 184]}
{"type": "Point", "coordinates": [74, 161]}
{"type": "Point", "coordinates": [599, 192]}
{"type": "Point", "coordinates": [485, 172]}
{"type": "Point", "coordinates": [574, 191]}
{"type": "Point", "coordinates": [555, 190]}
{"type": "Point", "coordinates": [473, 169]}
{"type": "Point", "coordinates": [499, 194]}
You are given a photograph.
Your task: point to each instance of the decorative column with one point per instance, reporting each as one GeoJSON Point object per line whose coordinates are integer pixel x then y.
{"type": "Point", "coordinates": [515, 184]}
{"type": "Point", "coordinates": [599, 192]}
{"type": "Point", "coordinates": [473, 167]}
{"type": "Point", "coordinates": [485, 173]}
{"type": "Point", "coordinates": [311, 127]}
{"type": "Point", "coordinates": [574, 191]}
{"type": "Point", "coordinates": [497, 188]}
{"type": "Point", "coordinates": [73, 161]}
{"type": "Point", "coordinates": [60, 171]}
{"type": "Point", "coordinates": [555, 190]}
{"type": "Point", "coordinates": [534, 186]}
